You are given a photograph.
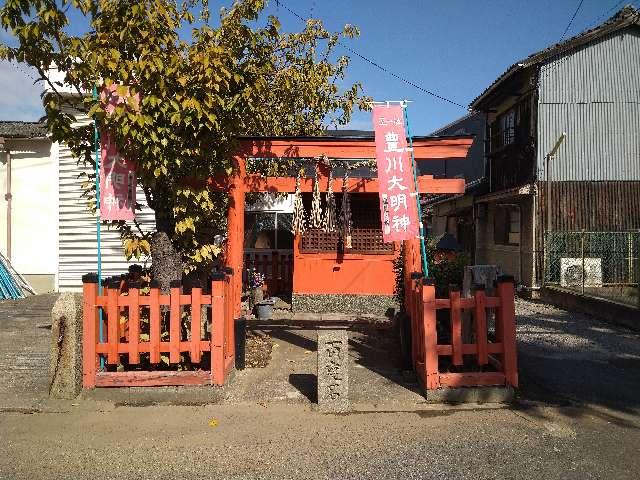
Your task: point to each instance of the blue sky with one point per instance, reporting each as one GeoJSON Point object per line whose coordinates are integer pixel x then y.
{"type": "Point", "coordinates": [453, 47]}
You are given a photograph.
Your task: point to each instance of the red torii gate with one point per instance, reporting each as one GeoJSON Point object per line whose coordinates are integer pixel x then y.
{"type": "Point", "coordinates": [225, 292]}
{"type": "Point", "coordinates": [339, 148]}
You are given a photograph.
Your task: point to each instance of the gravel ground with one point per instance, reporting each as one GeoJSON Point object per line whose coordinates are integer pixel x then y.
{"type": "Point", "coordinates": [577, 357]}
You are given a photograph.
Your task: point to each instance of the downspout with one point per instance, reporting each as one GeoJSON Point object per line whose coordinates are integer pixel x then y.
{"type": "Point", "coordinates": [8, 198]}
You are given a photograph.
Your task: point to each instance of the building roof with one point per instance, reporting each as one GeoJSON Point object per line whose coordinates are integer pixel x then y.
{"type": "Point", "coordinates": [455, 122]}
{"type": "Point", "coordinates": [626, 17]}
{"type": "Point", "coordinates": [349, 133]}
{"type": "Point", "coordinates": [16, 129]}
{"type": "Point", "coordinates": [341, 135]}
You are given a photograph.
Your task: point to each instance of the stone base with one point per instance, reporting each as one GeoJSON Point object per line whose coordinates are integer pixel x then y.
{"type": "Point", "coordinates": [381, 305]}
{"type": "Point", "coordinates": [489, 394]}
{"type": "Point", "coordinates": [65, 370]}
{"type": "Point", "coordinates": [333, 371]}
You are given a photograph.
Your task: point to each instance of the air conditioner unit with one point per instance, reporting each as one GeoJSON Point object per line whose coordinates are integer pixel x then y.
{"type": "Point", "coordinates": [572, 273]}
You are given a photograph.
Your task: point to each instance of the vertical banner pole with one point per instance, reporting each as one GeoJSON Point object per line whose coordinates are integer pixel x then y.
{"type": "Point", "coordinates": [96, 140]}
{"type": "Point", "coordinates": [423, 248]}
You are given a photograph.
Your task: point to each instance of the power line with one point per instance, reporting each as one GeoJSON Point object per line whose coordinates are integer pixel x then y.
{"type": "Point", "coordinates": [593, 23]}
{"type": "Point", "coordinates": [571, 21]}
{"type": "Point", "coordinates": [381, 67]}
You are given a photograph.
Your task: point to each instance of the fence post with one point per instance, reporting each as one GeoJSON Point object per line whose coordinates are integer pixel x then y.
{"type": "Point", "coordinates": [154, 322]}
{"type": "Point", "coordinates": [632, 276]}
{"type": "Point", "coordinates": [505, 315]}
{"type": "Point", "coordinates": [217, 329]}
{"type": "Point", "coordinates": [113, 320]}
{"type": "Point", "coordinates": [174, 321]}
{"type": "Point", "coordinates": [230, 323]}
{"type": "Point", "coordinates": [480, 313]}
{"type": "Point", "coordinates": [196, 320]}
{"type": "Point", "coordinates": [89, 319]}
{"type": "Point", "coordinates": [430, 339]}
{"type": "Point", "coordinates": [456, 324]}
{"type": "Point", "coordinates": [134, 322]}
{"type": "Point", "coordinates": [582, 256]}
{"type": "Point", "coordinates": [547, 247]}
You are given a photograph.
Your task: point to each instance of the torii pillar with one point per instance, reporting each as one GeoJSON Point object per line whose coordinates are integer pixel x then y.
{"type": "Point", "coordinates": [235, 229]}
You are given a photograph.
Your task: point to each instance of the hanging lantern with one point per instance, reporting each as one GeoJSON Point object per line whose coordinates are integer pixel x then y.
{"type": "Point", "coordinates": [345, 215]}
{"type": "Point", "coordinates": [298, 222]}
{"type": "Point", "coordinates": [329, 220]}
{"type": "Point", "coordinates": [316, 209]}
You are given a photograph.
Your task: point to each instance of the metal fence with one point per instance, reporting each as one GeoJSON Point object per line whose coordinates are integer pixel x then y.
{"type": "Point", "coordinates": [598, 264]}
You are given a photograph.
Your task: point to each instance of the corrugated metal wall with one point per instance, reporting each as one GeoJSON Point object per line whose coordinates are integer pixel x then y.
{"type": "Point", "coordinates": [77, 252]}
{"type": "Point", "coordinates": [593, 95]}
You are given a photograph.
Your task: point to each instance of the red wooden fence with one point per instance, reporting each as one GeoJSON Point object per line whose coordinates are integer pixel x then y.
{"type": "Point", "coordinates": [493, 360]}
{"type": "Point", "coordinates": [122, 333]}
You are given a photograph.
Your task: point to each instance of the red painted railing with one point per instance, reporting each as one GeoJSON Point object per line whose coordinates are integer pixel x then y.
{"type": "Point", "coordinates": [119, 309]}
{"type": "Point", "coordinates": [487, 358]}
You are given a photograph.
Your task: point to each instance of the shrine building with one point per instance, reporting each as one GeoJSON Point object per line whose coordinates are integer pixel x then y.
{"type": "Point", "coordinates": [342, 267]}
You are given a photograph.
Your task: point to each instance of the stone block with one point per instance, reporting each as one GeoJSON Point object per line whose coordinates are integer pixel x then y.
{"type": "Point", "coordinates": [333, 371]}
{"type": "Point", "coordinates": [381, 305]}
{"type": "Point", "coordinates": [65, 370]}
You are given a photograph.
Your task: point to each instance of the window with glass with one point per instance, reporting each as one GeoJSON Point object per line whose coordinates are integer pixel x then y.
{"type": "Point", "coordinates": [506, 225]}
{"type": "Point", "coordinates": [268, 231]}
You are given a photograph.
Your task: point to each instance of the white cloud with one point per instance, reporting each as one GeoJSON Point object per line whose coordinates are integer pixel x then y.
{"type": "Point", "coordinates": [19, 97]}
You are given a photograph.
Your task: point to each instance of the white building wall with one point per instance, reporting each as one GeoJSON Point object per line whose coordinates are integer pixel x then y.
{"type": "Point", "coordinates": [33, 211]}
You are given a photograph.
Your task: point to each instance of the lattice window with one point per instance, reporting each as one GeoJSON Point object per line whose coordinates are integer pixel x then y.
{"type": "Point", "coordinates": [366, 237]}
{"type": "Point", "coordinates": [363, 241]}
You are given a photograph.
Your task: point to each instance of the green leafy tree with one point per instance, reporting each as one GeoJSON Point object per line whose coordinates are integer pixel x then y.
{"type": "Point", "coordinates": [243, 76]}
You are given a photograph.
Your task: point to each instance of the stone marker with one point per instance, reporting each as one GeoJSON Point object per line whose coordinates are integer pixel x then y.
{"type": "Point", "coordinates": [65, 370]}
{"type": "Point", "coordinates": [333, 371]}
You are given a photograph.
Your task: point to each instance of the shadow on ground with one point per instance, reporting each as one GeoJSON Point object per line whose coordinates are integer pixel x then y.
{"type": "Point", "coordinates": [375, 366]}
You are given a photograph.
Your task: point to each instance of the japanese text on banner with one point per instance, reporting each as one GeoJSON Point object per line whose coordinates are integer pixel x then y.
{"type": "Point", "coordinates": [117, 175]}
{"type": "Point", "coordinates": [117, 183]}
{"type": "Point", "coordinates": [398, 208]}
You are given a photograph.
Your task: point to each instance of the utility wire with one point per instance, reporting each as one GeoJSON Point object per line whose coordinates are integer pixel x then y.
{"type": "Point", "coordinates": [605, 14]}
{"type": "Point", "coordinates": [571, 21]}
{"type": "Point", "coordinates": [548, 71]}
{"type": "Point", "coordinates": [381, 67]}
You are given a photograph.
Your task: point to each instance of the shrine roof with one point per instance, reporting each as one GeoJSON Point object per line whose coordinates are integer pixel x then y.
{"type": "Point", "coordinates": [350, 135]}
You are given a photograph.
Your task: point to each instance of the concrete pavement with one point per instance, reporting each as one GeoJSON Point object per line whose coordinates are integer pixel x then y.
{"type": "Point", "coordinates": [566, 424]}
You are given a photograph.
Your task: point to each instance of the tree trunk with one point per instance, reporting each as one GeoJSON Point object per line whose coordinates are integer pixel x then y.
{"type": "Point", "coordinates": [166, 263]}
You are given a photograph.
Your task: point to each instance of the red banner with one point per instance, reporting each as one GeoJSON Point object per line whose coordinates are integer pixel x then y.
{"type": "Point", "coordinates": [117, 175]}
{"type": "Point", "coordinates": [398, 208]}
{"type": "Point", "coordinates": [117, 183]}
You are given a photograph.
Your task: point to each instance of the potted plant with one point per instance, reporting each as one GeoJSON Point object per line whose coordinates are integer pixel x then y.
{"type": "Point", "coordinates": [256, 284]}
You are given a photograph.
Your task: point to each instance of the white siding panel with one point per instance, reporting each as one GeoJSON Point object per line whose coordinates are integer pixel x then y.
{"type": "Point", "coordinates": [77, 253]}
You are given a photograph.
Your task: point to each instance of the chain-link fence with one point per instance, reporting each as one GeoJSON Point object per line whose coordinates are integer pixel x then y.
{"type": "Point", "coordinates": [598, 264]}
